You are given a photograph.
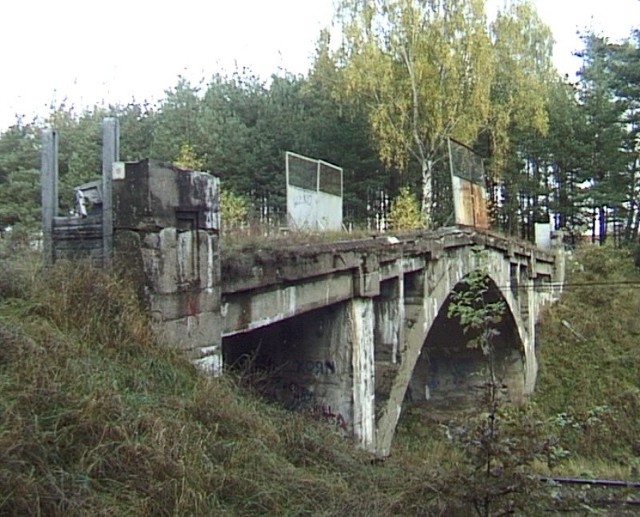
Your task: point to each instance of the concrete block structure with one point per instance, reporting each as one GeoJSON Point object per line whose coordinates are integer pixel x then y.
{"type": "Point", "coordinates": [350, 331]}
{"type": "Point", "coordinates": [159, 225]}
{"type": "Point", "coordinates": [166, 230]}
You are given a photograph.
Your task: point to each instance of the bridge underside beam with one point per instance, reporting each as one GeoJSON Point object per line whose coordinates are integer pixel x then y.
{"type": "Point", "coordinates": [247, 311]}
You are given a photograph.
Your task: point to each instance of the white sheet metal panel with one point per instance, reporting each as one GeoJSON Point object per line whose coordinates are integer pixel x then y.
{"type": "Point", "coordinates": [543, 235]}
{"type": "Point", "coordinates": [302, 208]}
{"type": "Point", "coordinates": [329, 213]}
{"type": "Point", "coordinates": [314, 194]}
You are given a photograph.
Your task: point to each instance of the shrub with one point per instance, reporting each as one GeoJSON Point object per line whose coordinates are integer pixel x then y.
{"type": "Point", "coordinates": [405, 212]}
{"type": "Point", "coordinates": [234, 210]}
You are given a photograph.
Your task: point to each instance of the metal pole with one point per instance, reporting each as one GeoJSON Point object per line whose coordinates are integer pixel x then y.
{"type": "Point", "coordinates": [315, 215]}
{"type": "Point", "coordinates": [110, 154]}
{"type": "Point", "coordinates": [49, 184]}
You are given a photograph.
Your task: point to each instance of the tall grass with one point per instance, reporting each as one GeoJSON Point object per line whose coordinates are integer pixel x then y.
{"type": "Point", "coordinates": [589, 351]}
{"type": "Point", "coordinates": [96, 418]}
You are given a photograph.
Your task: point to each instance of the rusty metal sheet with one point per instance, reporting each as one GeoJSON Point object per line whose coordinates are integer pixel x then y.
{"type": "Point", "coordinates": [480, 211]}
{"type": "Point", "coordinates": [466, 194]}
{"type": "Point", "coordinates": [471, 204]}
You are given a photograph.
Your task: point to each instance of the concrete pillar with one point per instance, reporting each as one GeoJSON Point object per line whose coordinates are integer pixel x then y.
{"type": "Point", "coordinates": [49, 184]}
{"type": "Point", "coordinates": [559, 271]}
{"type": "Point", "coordinates": [166, 225]}
{"type": "Point", "coordinates": [531, 363]}
{"type": "Point", "coordinates": [361, 318]}
{"type": "Point", "coordinates": [110, 154]}
{"type": "Point", "coordinates": [389, 320]}
{"type": "Point", "coordinates": [420, 298]}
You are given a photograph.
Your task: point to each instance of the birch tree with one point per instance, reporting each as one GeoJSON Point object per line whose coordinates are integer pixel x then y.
{"type": "Point", "coordinates": [424, 69]}
{"type": "Point", "coordinates": [522, 47]}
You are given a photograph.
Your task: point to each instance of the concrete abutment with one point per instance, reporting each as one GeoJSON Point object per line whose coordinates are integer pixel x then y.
{"type": "Point", "coordinates": [320, 362]}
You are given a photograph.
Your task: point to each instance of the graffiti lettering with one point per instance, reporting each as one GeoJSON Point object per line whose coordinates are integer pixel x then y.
{"type": "Point", "coordinates": [325, 413]}
{"type": "Point", "coordinates": [303, 399]}
{"type": "Point", "coordinates": [302, 198]}
{"type": "Point", "coordinates": [325, 367]}
{"type": "Point", "coordinates": [301, 395]}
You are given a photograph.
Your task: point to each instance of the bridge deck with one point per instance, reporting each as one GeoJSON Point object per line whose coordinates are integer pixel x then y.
{"type": "Point", "coordinates": [267, 266]}
{"type": "Point", "coordinates": [272, 284]}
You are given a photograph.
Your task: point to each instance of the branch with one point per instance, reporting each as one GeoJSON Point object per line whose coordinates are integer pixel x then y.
{"type": "Point", "coordinates": [420, 153]}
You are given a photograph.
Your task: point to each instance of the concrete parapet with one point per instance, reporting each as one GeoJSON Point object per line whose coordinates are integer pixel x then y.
{"type": "Point", "coordinates": [149, 195]}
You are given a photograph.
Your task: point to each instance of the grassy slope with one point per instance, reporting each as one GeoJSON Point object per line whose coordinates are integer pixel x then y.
{"type": "Point", "coordinates": [589, 352]}
{"type": "Point", "coordinates": [95, 417]}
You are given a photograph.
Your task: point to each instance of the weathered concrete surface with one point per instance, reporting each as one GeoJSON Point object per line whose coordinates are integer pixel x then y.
{"type": "Point", "coordinates": [166, 224]}
{"type": "Point", "coordinates": [362, 346]}
{"type": "Point", "coordinates": [161, 224]}
{"type": "Point", "coordinates": [150, 196]}
{"type": "Point", "coordinates": [396, 296]}
{"type": "Point", "coordinates": [329, 267]}
{"type": "Point", "coordinates": [49, 190]}
{"type": "Point", "coordinates": [320, 363]}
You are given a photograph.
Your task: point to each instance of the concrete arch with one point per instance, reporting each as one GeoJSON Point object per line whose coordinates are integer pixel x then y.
{"type": "Point", "coordinates": [425, 298]}
{"type": "Point", "coordinates": [449, 375]}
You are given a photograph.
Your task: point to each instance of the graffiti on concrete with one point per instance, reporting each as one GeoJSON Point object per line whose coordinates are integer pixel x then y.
{"type": "Point", "coordinates": [301, 396]}
{"type": "Point", "coordinates": [326, 367]}
{"type": "Point", "coordinates": [327, 414]}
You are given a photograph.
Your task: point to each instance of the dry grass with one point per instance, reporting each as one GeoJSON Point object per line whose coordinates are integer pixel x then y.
{"type": "Point", "coordinates": [259, 236]}
{"type": "Point", "coordinates": [95, 418]}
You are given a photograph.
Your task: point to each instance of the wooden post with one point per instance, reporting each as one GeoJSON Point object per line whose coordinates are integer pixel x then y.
{"type": "Point", "coordinates": [110, 154]}
{"type": "Point", "coordinates": [49, 184]}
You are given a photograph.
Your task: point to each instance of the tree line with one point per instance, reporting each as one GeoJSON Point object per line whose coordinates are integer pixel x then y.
{"type": "Point", "coordinates": [406, 76]}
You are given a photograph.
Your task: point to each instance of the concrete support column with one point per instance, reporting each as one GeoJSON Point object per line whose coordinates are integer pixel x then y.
{"type": "Point", "coordinates": [529, 341]}
{"type": "Point", "coordinates": [49, 184]}
{"type": "Point", "coordinates": [166, 237]}
{"type": "Point", "coordinates": [361, 319]}
{"type": "Point", "coordinates": [110, 154]}
{"type": "Point", "coordinates": [559, 271]}
{"type": "Point", "coordinates": [389, 320]}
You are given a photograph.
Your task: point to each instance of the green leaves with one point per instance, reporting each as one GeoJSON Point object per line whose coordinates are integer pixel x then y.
{"type": "Point", "coordinates": [187, 159]}
{"type": "Point", "coordinates": [234, 210]}
{"type": "Point", "coordinates": [20, 199]}
{"type": "Point", "coordinates": [405, 212]}
{"type": "Point", "coordinates": [420, 83]}
{"type": "Point", "coordinates": [477, 314]}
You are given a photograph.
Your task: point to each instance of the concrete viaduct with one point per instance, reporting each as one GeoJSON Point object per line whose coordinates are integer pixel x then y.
{"type": "Point", "coordinates": [348, 331]}
{"type": "Point", "coordinates": [351, 330]}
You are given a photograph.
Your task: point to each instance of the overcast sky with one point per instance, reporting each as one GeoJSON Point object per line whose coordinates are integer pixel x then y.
{"type": "Point", "coordinates": [113, 52]}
